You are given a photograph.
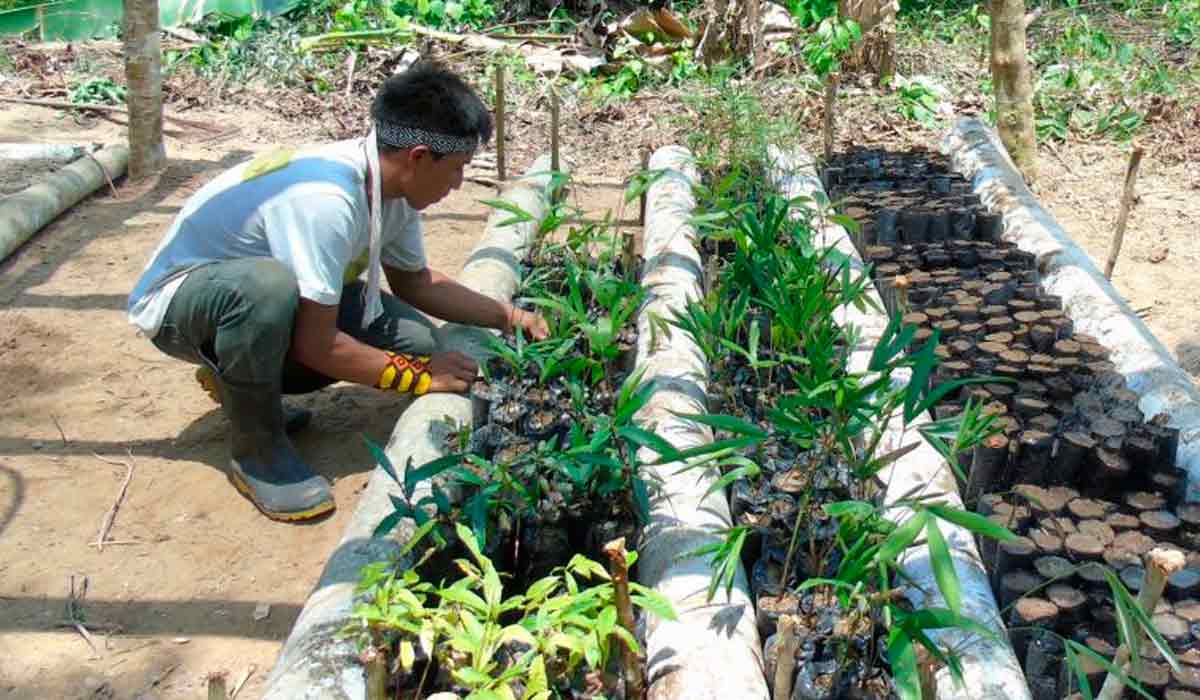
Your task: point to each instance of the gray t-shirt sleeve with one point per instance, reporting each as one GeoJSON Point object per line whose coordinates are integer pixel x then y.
{"type": "Point", "coordinates": [404, 239]}
{"type": "Point", "coordinates": [316, 242]}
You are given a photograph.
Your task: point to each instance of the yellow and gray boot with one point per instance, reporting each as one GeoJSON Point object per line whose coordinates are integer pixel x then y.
{"type": "Point", "coordinates": [295, 419]}
{"type": "Point", "coordinates": [263, 464]}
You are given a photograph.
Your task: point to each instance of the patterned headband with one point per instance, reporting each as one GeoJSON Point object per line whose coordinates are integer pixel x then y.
{"type": "Point", "coordinates": [398, 136]}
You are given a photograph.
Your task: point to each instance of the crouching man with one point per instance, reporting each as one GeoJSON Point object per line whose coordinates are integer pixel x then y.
{"type": "Point", "coordinates": [257, 280]}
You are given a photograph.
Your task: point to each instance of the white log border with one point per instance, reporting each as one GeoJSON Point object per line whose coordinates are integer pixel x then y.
{"type": "Point", "coordinates": [314, 662]}
{"type": "Point", "coordinates": [25, 213]}
{"type": "Point", "coordinates": [990, 669]}
{"type": "Point", "coordinates": [1090, 300]}
{"type": "Point", "coordinates": [712, 652]}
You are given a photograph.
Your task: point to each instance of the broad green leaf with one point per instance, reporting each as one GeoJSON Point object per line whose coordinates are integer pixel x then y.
{"type": "Point", "coordinates": [943, 566]}
{"type": "Point", "coordinates": [654, 603]}
{"type": "Point", "coordinates": [412, 477]}
{"type": "Point", "coordinates": [903, 658]}
{"type": "Point", "coordinates": [974, 522]}
{"type": "Point", "coordinates": [730, 424]}
{"type": "Point", "coordinates": [901, 537]}
{"type": "Point", "coordinates": [519, 215]}
{"type": "Point", "coordinates": [388, 524]}
{"type": "Point", "coordinates": [381, 459]}
{"type": "Point", "coordinates": [645, 438]}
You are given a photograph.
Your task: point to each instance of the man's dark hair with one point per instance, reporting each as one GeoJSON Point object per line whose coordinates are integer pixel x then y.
{"type": "Point", "coordinates": [430, 97]}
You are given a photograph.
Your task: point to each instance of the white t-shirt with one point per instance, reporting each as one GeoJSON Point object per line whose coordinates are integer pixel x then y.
{"type": "Point", "coordinates": [307, 209]}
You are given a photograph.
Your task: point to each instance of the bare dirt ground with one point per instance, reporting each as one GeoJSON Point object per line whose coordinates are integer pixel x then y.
{"type": "Point", "coordinates": [178, 592]}
{"type": "Point", "coordinates": [1157, 270]}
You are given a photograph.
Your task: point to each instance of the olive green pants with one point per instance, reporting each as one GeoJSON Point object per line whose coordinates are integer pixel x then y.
{"type": "Point", "coordinates": [238, 316]}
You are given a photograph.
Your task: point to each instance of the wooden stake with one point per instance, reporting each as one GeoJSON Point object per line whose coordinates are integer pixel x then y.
{"type": "Point", "coordinates": [554, 162]}
{"type": "Point", "coordinates": [377, 673]}
{"type": "Point", "coordinates": [1135, 160]}
{"type": "Point", "coordinates": [831, 90]}
{"type": "Point", "coordinates": [645, 188]}
{"type": "Point", "coordinates": [785, 666]}
{"type": "Point", "coordinates": [1160, 564]}
{"type": "Point", "coordinates": [501, 169]}
{"type": "Point", "coordinates": [635, 681]}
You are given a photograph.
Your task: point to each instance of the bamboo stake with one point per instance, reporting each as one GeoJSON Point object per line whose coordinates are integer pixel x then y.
{"type": "Point", "coordinates": [1135, 160]}
{"type": "Point", "coordinates": [501, 169]}
{"type": "Point", "coordinates": [831, 91]}
{"type": "Point", "coordinates": [1160, 564]}
{"type": "Point", "coordinates": [635, 681]}
{"type": "Point", "coordinates": [785, 666]}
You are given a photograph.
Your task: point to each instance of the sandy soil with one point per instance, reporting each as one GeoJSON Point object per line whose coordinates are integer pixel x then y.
{"type": "Point", "coordinates": [1156, 270]}
{"type": "Point", "coordinates": [84, 397]}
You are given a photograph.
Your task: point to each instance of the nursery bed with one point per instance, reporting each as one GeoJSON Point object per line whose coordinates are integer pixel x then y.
{"type": "Point", "coordinates": [1078, 471]}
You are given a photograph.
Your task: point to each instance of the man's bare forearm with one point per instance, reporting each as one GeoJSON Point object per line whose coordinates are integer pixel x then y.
{"type": "Point", "coordinates": [440, 296]}
{"type": "Point", "coordinates": [318, 345]}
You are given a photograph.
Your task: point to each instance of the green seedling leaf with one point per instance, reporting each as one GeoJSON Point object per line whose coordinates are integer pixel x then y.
{"type": "Point", "coordinates": [1075, 649]}
{"type": "Point", "coordinates": [412, 477]}
{"type": "Point", "coordinates": [641, 498]}
{"type": "Point", "coordinates": [943, 566]}
{"type": "Point", "coordinates": [381, 459]}
{"type": "Point", "coordinates": [974, 522]}
{"type": "Point", "coordinates": [903, 657]}
{"type": "Point", "coordinates": [388, 523]}
{"type": "Point", "coordinates": [645, 438]}
{"type": "Point", "coordinates": [901, 538]}
{"type": "Point", "coordinates": [655, 603]}
{"type": "Point", "coordinates": [729, 424]}
{"type": "Point", "coordinates": [519, 215]}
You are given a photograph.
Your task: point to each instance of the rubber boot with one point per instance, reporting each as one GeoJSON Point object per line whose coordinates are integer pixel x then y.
{"type": "Point", "coordinates": [294, 419]}
{"type": "Point", "coordinates": [263, 464]}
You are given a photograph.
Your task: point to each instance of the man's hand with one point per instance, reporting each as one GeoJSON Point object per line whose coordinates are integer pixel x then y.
{"type": "Point", "coordinates": [452, 372]}
{"type": "Point", "coordinates": [530, 322]}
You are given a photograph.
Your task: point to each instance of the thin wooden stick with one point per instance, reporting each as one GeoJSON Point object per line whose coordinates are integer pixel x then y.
{"type": "Point", "coordinates": [501, 169]}
{"type": "Point", "coordinates": [645, 189]}
{"type": "Point", "coordinates": [635, 680]}
{"type": "Point", "coordinates": [111, 516]}
{"type": "Point", "coordinates": [58, 425]}
{"type": "Point", "coordinates": [351, 63]}
{"type": "Point", "coordinates": [554, 162]}
{"type": "Point", "coordinates": [831, 91]}
{"type": "Point", "coordinates": [1135, 160]}
{"type": "Point", "coordinates": [785, 665]}
{"type": "Point", "coordinates": [237, 687]}
{"type": "Point", "coordinates": [61, 104]}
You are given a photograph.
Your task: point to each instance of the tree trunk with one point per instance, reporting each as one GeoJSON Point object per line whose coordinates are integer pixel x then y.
{"type": "Point", "coordinates": [721, 32]}
{"type": "Point", "coordinates": [1012, 81]}
{"type": "Point", "coordinates": [877, 20]}
{"type": "Point", "coordinates": [143, 54]}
